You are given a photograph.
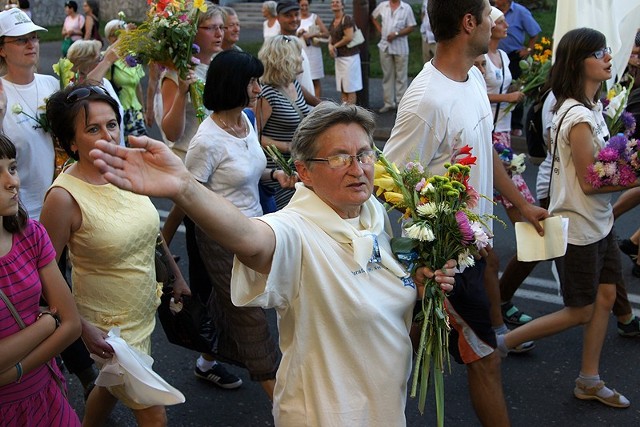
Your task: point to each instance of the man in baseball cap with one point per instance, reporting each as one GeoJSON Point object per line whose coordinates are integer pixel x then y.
{"type": "Point", "coordinates": [15, 22]}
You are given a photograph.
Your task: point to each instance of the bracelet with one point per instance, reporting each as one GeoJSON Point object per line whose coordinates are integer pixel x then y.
{"type": "Point", "coordinates": [271, 174]}
{"type": "Point", "coordinates": [52, 315]}
{"type": "Point", "coordinates": [19, 369]}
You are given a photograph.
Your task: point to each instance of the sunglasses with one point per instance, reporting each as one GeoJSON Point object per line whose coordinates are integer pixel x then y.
{"type": "Point", "coordinates": [83, 92]}
{"type": "Point", "coordinates": [599, 54]}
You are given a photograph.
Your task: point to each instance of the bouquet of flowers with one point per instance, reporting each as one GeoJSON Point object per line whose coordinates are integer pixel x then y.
{"type": "Point", "coordinates": [535, 70]}
{"type": "Point", "coordinates": [166, 37]}
{"type": "Point", "coordinates": [614, 111]}
{"type": "Point", "coordinates": [513, 163]}
{"type": "Point", "coordinates": [63, 68]}
{"type": "Point", "coordinates": [616, 164]}
{"type": "Point", "coordinates": [439, 225]}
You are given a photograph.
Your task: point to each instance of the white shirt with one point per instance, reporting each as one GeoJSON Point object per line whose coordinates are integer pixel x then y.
{"type": "Point", "coordinates": [438, 116]}
{"type": "Point", "coordinates": [590, 216]}
{"type": "Point", "coordinates": [425, 27]}
{"type": "Point", "coordinates": [34, 147]}
{"type": "Point", "coordinates": [498, 80]}
{"type": "Point", "coordinates": [393, 21]}
{"type": "Point", "coordinates": [228, 165]}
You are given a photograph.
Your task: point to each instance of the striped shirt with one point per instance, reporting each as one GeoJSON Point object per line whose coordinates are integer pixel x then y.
{"type": "Point", "coordinates": [36, 400]}
{"type": "Point", "coordinates": [281, 126]}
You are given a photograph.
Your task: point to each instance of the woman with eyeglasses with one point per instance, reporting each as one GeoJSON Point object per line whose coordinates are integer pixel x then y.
{"type": "Point", "coordinates": [111, 235]}
{"type": "Point", "coordinates": [179, 123]}
{"type": "Point", "coordinates": [344, 308]}
{"type": "Point", "coordinates": [591, 267]}
{"type": "Point", "coordinates": [24, 93]}
{"type": "Point", "coordinates": [281, 105]}
{"type": "Point", "coordinates": [226, 157]}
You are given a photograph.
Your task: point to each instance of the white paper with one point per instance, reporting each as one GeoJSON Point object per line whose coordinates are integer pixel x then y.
{"type": "Point", "coordinates": [533, 247]}
{"type": "Point", "coordinates": [132, 368]}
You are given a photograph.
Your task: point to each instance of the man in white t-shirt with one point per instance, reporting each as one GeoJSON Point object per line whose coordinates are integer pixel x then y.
{"type": "Point", "coordinates": [445, 108]}
{"type": "Point", "coordinates": [395, 25]}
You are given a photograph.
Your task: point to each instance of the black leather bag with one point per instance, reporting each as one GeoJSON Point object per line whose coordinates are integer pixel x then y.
{"type": "Point", "coordinates": [191, 327]}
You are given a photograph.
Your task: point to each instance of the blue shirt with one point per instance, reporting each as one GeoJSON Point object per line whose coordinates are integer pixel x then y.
{"type": "Point", "coordinates": [520, 22]}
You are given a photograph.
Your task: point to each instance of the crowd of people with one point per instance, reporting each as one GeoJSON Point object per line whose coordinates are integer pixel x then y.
{"type": "Point", "coordinates": [313, 244]}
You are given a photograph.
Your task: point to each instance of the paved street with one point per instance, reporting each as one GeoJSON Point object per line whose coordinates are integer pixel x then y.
{"type": "Point", "coordinates": [538, 385]}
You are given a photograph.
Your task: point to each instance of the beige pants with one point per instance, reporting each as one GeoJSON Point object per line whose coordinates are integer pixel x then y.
{"type": "Point", "coordinates": [394, 77]}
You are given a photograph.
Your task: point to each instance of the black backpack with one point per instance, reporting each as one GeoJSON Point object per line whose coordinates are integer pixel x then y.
{"type": "Point", "coordinates": [536, 146]}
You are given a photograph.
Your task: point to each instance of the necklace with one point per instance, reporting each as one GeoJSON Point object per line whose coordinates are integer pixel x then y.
{"type": "Point", "coordinates": [26, 104]}
{"type": "Point", "coordinates": [235, 133]}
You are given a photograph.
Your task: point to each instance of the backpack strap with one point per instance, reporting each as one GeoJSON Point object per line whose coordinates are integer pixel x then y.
{"type": "Point", "coordinates": [555, 145]}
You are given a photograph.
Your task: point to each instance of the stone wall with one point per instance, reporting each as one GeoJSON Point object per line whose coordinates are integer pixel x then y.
{"type": "Point", "coordinates": [51, 12]}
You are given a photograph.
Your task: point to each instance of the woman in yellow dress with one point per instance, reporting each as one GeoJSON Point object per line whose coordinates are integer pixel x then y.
{"type": "Point", "coordinates": [111, 235]}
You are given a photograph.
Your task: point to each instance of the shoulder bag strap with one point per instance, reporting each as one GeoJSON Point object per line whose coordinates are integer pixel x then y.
{"type": "Point", "coordinates": [495, 117]}
{"type": "Point", "coordinates": [555, 146]}
{"type": "Point", "coordinates": [20, 323]}
{"type": "Point", "coordinates": [293, 103]}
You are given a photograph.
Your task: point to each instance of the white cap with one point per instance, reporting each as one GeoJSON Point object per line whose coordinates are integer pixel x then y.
{"type": "Point", "coordinates": [495, 14]}
{"type": "Point", "coordinates": [15, 22]}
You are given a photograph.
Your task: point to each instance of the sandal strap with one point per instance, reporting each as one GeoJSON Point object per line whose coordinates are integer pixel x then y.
{"type": "Point", "coordinates": [590, 390]}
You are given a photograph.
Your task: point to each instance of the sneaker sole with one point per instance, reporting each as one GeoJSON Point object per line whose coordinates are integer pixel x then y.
{"type": "Point", "coordinates": [212, 381]}
{"type": "Point", "coordinates": [523, 349]}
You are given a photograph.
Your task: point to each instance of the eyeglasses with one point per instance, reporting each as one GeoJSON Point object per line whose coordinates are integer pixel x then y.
{"type": "Point", "coordinates": [599, 54]}
{"type": "Point", "coordinates": [22, 41]}
{"type": "Point", "coordinates": [212, 28]}
{"type": "Point", "coordinates": [286, 38]}
{"type": "Point", "coordinates": [233, 25]}
{"type": "Point", "coordinates": [339, 161]}
{"type": "Point", "coordinates": [83, 92]}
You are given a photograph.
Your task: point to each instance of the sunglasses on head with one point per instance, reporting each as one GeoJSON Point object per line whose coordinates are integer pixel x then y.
{"type": "Point", "coordinates": [83, 92]}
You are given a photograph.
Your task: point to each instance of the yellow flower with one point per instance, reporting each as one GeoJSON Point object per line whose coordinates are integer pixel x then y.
{"type": "Point", "coordinates": [393, 198]}
{"type": "Point", "coordinates": [545, 41]}
{"type": "Point", "coordinates": [537, 47]}
{"type": "Point", "coordinates": [383, 184]}
{"type": "Point", "coordinates": [63, 69]}
{"type": "Point", "coordinates": [200, 4]}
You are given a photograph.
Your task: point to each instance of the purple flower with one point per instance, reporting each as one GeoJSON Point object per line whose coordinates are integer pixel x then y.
{"type": "Point", "coordinates": [608, 154]}
{"type": "Point", "coordinates": [618, 143]}
{"type": "Point", "coordinates": [131, 60]}
{"type": "Point", "coordinates": [195, 49]}
{"type": "Point", "coordinates": [627, 176]}
{"type": "Point", "coordinates": [629, 122]}
{"type": "Point", "coordinates": [465, 228]}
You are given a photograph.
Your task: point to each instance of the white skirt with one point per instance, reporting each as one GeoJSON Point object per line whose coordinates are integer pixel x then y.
{"type": "Point", "coordinates": [348, 74]}
{"type": "Point", "coordinates": [314, 53]}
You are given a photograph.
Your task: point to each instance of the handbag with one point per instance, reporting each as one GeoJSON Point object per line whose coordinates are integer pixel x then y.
{"type": "Point", "coordinates": [22, 325]}
{"type": "Point", "coordinates": [187, 323]}
{"type": "Point", "coordinates": [358, 37]}
{"type": "Point", "coordinates": [163, 270]}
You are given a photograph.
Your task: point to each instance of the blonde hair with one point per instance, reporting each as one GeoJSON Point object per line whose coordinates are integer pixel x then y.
{"type": "Point", "coordinates": [83, 52]}
{"type": "Point", "coordinates": [281, 57]}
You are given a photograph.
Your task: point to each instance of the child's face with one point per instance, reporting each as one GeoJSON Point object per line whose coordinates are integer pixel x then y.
{"type": "Point", "coordinates": [10, 183]}
{"type": "Point", "coordinates": [481, 63]}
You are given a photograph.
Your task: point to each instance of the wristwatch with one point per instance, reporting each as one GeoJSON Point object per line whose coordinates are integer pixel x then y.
{"type": "Point", "coordinates": [397, 34]}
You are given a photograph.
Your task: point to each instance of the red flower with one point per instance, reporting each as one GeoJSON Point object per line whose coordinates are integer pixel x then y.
{"type": "Point", "coordinates": [467, 160]}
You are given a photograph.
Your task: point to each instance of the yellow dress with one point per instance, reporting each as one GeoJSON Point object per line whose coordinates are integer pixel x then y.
{"type": "Point", "coordinates": [112, 259]}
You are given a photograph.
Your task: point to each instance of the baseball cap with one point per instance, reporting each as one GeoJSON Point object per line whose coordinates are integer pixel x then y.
{"type": "Point", "coordinates": [15, 22]}
{"type": "Point", "coordinates": [286, 6]}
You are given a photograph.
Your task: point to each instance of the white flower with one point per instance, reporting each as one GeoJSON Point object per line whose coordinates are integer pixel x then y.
{"type": "Point", "coordinates": [427, 210]}
{"type": "Point", "coordinates": [465, 259]}
{"type": "Point", "coordinates": [429, 188]}
{"type": "Point", "coordinates": [480, 236]}
{"type": "Point", "coordinates": [16, 109]}
{"type": "Point", "coordinates": [518, 163]}
{"type": "Point", "coordinates": [616, 104]}
{"type": "Point", "coordinates": [421, 232]}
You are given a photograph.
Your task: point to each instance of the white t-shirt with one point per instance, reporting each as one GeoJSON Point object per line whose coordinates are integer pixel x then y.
{"type": "Point", "coordinates": [35, 153]}
{"type": "Point", "coordinates": [304, 78]}
{"type": "Point", "coordinates": [344, 332]}
{"type": "Point", "coordinates": [544, 170]}
{"type": "Point", "coordinates": [498, 80]}
{"type": "Point", "coordinates": [270, 31]}
{"type": "Point", "coordinates": [109, 87]}
{"type": "Point", "coordinates": [227, 165]}
{"type": "Point", "coordinates": [436, 117]}
{"type": "Point", "coordinates": [590, 216]}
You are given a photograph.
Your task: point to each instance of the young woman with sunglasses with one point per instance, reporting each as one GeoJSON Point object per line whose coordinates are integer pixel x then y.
{"type": "Point", "coordinates": [591, 267]}
{"type": "Point", "coordinates": [111, 235]}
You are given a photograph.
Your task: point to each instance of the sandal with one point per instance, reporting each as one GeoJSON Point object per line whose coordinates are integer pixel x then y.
{"type": "Point", "coordinates": [583, 392]}
{"type": "Point", "coordinates": [513, 316]}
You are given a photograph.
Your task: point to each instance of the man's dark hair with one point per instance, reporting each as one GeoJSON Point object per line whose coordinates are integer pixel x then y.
{"type": "Point", "coordinates": [445, 16]}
